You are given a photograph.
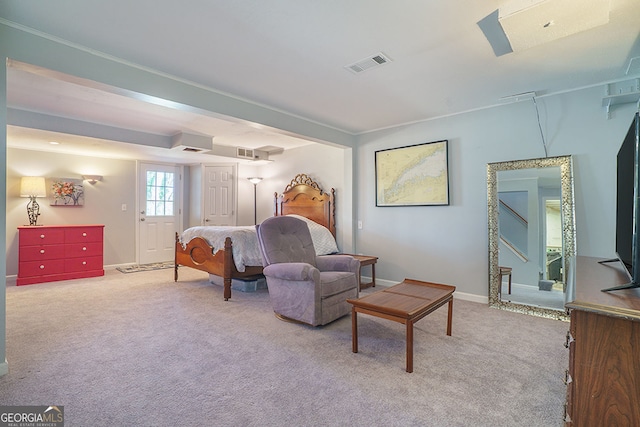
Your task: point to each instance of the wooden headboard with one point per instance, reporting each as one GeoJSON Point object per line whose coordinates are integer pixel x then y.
{"type": "Point", "coordinates": [303, 196]}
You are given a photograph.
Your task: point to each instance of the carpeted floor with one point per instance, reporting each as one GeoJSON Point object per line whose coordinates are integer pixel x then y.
{"type": "Point", "coordinates": [142, 350]}
{"type": "Point", "coordinates": [531, 295]}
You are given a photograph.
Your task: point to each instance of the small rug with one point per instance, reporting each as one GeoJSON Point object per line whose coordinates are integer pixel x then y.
{"type": "Point", "coordinates": [146, 267]}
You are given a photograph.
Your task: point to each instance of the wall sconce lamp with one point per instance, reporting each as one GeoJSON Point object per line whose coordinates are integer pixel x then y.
{"type": "Point", "coordinates": [92, 179]}
{"type": "Point", "coordinates": [32, 187]}
{"type": "Point", "coordinates": [255, 181]}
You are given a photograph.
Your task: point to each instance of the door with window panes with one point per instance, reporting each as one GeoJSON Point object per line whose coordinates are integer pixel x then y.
{"type": "Point", "coordinates": [159, 209]}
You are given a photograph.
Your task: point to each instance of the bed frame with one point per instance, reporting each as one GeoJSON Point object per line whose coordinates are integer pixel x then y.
{"type": "Point", "coordinates": [302, 196]}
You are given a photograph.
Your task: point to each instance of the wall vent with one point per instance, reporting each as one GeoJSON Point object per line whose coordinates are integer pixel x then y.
{"type": "Point", "coordinates": [248, 154]}
{"type": "Point", "coordinates": [244, 153]}
{"type": "Point", "coordinates": [368, 63]}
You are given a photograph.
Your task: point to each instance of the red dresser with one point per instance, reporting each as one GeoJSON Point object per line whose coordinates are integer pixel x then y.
{"type": "Point", "coordinates": [59, 252]}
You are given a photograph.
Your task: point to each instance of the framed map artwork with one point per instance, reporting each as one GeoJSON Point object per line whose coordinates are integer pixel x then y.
{"type": "Point", "coordinates": [417, 175]}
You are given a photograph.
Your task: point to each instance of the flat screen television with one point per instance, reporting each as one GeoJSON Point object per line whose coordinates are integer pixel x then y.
{"type": "Point", "coordinates": [628, 206]}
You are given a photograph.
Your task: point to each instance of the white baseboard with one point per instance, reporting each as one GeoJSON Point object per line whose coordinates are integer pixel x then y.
{"type": "Point", "coordinates": [471, 297]}
{"type": "Point", "coordinates": [457, 294]}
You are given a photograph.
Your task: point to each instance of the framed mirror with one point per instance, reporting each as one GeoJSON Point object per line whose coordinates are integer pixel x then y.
{"type": "Point", "coordinates": [531, 235]}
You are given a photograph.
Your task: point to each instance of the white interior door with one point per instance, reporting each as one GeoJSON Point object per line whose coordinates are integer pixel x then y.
{"type": "Point", "coordinates": [219, 203]}
{"type": "Point", "coordinates": [158, 212]}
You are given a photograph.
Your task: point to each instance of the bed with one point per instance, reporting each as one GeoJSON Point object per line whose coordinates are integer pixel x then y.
{"type": "Point", "coordinates": [230, 252]}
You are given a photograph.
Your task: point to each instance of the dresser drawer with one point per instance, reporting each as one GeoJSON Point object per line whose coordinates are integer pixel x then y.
{"type": "Point", "coordinates": [82, 234]}
{"type": "Point", "coordinates": [82, 264]}
{"type": "Point", "coordinates": [40, 268]}
{"type": "Point", "coordinates": [40, 253]}
{"type": "Point", "coordinates": [41, 236]}
{"type": "Point", "coordinates": [75, 250]}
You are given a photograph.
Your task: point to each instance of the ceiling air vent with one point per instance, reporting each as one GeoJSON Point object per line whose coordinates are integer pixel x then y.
{"type": "Point", "coordinates": [191, 143]}
{"type": "Point", "coordinates": [244, 153]}
{"type": "Point", "coordinates": [368, 63]}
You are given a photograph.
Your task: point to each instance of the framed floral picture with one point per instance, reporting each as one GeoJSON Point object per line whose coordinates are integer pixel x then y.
{"type": "Point", "coordinates": [66, 192]}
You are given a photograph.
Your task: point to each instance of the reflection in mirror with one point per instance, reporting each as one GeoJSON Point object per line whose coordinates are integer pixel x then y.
{"type": "Point", "coordinates": [531, 235]}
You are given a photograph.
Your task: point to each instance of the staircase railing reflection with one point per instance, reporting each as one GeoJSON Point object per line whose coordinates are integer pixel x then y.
{"type": "Point", "coordinates": [514, 230]}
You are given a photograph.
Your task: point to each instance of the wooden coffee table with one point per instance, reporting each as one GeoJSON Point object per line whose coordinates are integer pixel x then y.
{"type": "Point", "coordinates": [405, 303]}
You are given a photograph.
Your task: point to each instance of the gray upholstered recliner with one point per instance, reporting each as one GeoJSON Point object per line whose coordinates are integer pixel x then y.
{"type": "Point", "coordinates": [302, 286]}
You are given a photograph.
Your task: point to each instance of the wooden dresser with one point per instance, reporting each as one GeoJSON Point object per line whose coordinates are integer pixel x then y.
{"type": "Point", "coordinates": [603, 379]}
{"type": "Point", "coordinates": [59, 252]}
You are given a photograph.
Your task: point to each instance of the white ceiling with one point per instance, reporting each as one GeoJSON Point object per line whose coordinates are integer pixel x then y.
{"type": "Point", "coordinates": [290, 55]}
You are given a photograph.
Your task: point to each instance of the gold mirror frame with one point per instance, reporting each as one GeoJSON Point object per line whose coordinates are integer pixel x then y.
{"type": "Point", "coordinates": [568, 230]}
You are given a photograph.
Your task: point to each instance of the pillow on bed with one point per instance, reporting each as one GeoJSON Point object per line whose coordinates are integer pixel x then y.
{"type": "Point", "coordinates": [323, 241]}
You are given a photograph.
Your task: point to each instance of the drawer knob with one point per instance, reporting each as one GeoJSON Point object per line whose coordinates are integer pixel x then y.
{"type": "Point", "coordinates": [84, 262]}
{"type": "Point", "coordinates": [42, 236]}
{"type": "Point", "coordinates": [41, 251]}
{"type": "Point", "coordinates": [84, 234]}
{"type": "Point", "coordinates": [41, 267]}
{"type": "Point", "coordinates": [84, 248]}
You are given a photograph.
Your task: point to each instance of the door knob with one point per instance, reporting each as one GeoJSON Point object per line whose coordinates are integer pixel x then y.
{"type": "Point", "coordinates": [141, 219]}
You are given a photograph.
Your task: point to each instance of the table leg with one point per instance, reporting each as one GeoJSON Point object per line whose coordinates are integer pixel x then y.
{"type": "Point", "coordinates": [409, 346]}
{"type": "Point", "coordinates": [373, 274]}
{"type": "Point", "coordinates": [354, 330]}
{"type": "Point", "coordinates": [509, 282]}
{"type": "Point", "coordinates": [449, 317]}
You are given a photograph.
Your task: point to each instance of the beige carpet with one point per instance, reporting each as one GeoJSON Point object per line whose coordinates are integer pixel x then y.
{"type": "Point", "coordinates": [141, 350]}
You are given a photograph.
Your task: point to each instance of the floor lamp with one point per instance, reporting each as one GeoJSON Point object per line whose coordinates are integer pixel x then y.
{"type": "Point", "coordinates": [255, 181]}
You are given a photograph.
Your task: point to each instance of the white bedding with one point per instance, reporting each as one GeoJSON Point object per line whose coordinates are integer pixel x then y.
{"type": "Point", "coordinates": [244, 238]}
{"type": "Point", "coordinates": [323, 241]}
{"type": "Point", "coordinates": [246, 251]}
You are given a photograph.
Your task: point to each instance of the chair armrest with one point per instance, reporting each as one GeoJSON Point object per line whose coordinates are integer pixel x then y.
{"type": "Point", "coordinates": [294, 271]}
{"type": "Point", "coordinates": [338, 263]}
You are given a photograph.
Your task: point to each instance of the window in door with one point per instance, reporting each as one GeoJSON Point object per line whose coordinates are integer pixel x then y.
{"type": "Point", "coordinates": [160, 191]}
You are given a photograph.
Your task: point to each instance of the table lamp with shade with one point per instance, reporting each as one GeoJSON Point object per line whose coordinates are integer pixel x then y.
{"type": "Point", "coordinates": [33, 187]}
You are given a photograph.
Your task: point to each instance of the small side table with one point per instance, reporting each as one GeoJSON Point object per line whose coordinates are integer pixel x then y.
{"type": "Point", "coordinates": [364, 261]}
